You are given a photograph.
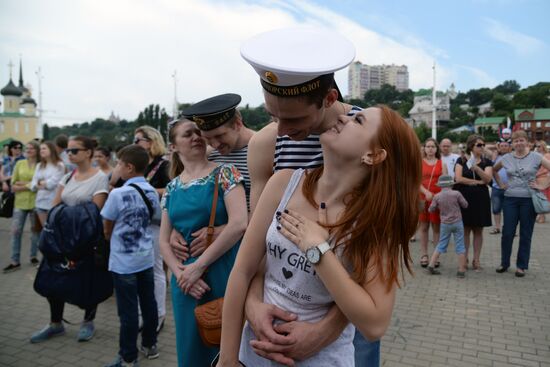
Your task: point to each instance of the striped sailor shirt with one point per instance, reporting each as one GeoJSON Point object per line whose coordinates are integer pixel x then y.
{"type": "Point", "coordinates": [307, 153]}
{"type": "Point", "coordinates": [238, 159]}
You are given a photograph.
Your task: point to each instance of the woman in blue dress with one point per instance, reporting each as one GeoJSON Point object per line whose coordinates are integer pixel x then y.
{"type": "Point", "coordinates": [186, 208]}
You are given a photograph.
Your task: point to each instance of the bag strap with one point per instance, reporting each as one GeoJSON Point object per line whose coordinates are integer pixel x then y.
{"type": "Point", "coordinates": [147, 202]}
{"type": "Point", "coordinates": [432, 175]}
{"type": "Point", "coordinates": [153, 172]}
{"type": "Point", "coordinates": [70, 176]}
{"type": "Point", "coordinates": [210, 230]}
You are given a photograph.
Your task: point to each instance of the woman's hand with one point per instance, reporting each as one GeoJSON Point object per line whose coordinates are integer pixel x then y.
{"type": "Point", "coordinates": [429, 196]}
{"type": "Point", "coordinates": [301, 231]}
{"type": "Point", "coordinates": [189, 275]}
{"type": "Point", "coordinates": [537, 186]}
{"type": "Point", "coordinates": [198, 289]}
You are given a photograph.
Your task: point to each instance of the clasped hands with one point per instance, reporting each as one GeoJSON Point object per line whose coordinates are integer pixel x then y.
{"type": "Point", "coordinates": [189, 279]}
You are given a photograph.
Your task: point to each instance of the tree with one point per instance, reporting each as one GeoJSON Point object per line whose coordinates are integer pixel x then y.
{"type": "Point", "coordinates": [423, 132]}
{"type": "Point", "coordinates": [508, 87]}
{"type": "Point", "coordinates": [501, 103]}
{"type": "Point", "coordinates": [46, 132]}
{"type": "Point", "coordinates": [255, 118]}
{"type": "Point", "coordinates": [479, 96]}
{"type": "Point", "coordinates": [155, 117]}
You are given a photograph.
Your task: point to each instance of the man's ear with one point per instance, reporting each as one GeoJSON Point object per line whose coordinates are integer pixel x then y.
{"type": "Point", "coordinates": [371, 158]}
{"type": "Point", "coordinates": [331, 97]}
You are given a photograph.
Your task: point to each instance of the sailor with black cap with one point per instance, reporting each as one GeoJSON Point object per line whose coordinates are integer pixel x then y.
{"type": "Point", "coordinates": [296, 67]}
{"type": "Point", "coordinates": [221, 124]}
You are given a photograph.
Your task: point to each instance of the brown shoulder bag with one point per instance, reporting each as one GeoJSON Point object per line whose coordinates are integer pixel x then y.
{"type": "Point", "coordinates": [209, 314]}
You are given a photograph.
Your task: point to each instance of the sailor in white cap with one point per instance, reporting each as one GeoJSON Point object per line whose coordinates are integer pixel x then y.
{"type": "Point", "coordinates": [506, 134]}
{"type": "Point", "coordinates": [296, 68]}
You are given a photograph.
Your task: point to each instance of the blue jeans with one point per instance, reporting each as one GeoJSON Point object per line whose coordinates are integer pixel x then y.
{"type": "Point", "coordinates": [367, 354]}
{"type": "Point", "coordinates": [445, 231]}
{"type": "Point", "coordinates": [517, 210]}
{"type": "Point", "coordinates": [17, 224]}
{"type": "Point", "coordinates": [131, 288]}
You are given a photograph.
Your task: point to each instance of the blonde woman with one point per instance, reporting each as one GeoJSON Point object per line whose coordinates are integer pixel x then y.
{"type": "Point", "coordinates": [156, 174]}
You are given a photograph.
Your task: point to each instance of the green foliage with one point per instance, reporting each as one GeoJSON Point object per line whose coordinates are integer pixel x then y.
{"type": "Point", "coordinates": [508, 87]}
{"type": "Point", "coordinates": [423, 132]}
{"type": "Point", "coordinates": [155, 117]}
{"type": "Point", "coordinates": [535, 96]}
{"type": "Point", "coordinates": [388, 95]}
{"type": "Point", "coordinates": [255, 118]}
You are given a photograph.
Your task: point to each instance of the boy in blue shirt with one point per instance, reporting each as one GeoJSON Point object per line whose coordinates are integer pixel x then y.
{"type": "Point", "coordinates": [127, 216]}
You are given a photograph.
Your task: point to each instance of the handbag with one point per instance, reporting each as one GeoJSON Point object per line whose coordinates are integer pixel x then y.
{"type": "Point", "coordinates": [540, 202]}
{"type": "Point", "coordinates": [209, 314]}
{"type": "Point", "coordinates": [6, 204]}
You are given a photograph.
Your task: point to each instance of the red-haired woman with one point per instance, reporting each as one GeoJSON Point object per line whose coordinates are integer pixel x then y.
{"type": "Point", "coordinates": [432, 168]}
{"type": "Point", "coordinates": [334, 234]}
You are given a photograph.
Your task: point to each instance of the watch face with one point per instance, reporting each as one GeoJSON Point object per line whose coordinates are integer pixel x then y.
{"type": "Point", "coordinates": [313, 255]}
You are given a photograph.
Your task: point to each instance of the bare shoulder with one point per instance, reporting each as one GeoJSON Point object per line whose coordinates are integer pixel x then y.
{"type": "Point", "coordinates": [277, 183]}
{"type": "Point", "coordinates": [264, 138]}
{"type": "Point", "coordinates": [261, 150]}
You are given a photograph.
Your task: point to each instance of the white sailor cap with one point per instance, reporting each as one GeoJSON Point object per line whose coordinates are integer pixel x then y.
{"type": "Point", "coordinates": [290, 60]}
{"type": "Point", "coordinates": [506, 131]}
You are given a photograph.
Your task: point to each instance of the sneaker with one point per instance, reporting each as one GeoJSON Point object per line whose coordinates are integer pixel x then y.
{"type": "Point", "coordinates": [119, 362]}
{"type": "Point", "coordinates": [49, 331]}
{"type": "Point", "coordinates": [433, 271]}
{"type": "Point", "coordinates": [11, 267]}
{"type": "Point", "coordinates": [160, 324]}
{"type": "Point", "coordinates": [34, 261]}
{"type": "Point", "coordinates": [151, 352]}
{"type": "Point", "coordinates": [86, 332]}
{"type": "Point", "coordinates": [461, 274]}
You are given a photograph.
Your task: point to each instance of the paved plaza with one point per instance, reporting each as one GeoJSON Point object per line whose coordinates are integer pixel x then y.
{"type": "Point", "coordinates": [487, 319]}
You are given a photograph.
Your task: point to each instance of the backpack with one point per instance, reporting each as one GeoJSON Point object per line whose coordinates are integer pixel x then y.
{"type": "Point", "coordinates": [68, 271]}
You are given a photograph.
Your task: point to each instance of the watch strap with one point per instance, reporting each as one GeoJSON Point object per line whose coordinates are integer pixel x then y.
{"type": "Point", "coordinates": [323, 247]}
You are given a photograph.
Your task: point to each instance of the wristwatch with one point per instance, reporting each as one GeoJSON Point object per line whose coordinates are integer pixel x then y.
{"type": "Point", "coordinates": [314, 253]}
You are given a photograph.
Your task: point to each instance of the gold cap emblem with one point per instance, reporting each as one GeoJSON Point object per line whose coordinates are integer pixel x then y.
{"type": "Point", "coordinates": [198, 120]}
{"type": "Point", "coordinates": [272, 78]}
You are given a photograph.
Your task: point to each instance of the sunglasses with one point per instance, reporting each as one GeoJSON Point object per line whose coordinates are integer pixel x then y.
{"type": "Point", "coordinates": [17, 147]}
{"type": "Point", "coordinates": [538, 146]}
{"type": "Point", "coordinates": [137, 140]}
{"type": "Point", "coordinates": [480, 145]}
{"type": "Point", "coordinates": [74, 151]}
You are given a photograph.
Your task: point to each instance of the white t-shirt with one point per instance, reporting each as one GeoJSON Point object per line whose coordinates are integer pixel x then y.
{"type": "Point", "coordinates": [79, 192]}
{"type": "Point", "coordinates": [450, 161]}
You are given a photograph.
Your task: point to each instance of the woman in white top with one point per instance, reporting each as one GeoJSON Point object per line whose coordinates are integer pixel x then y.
{"type": "Point", "coordinates": [86, 183]}
{"type": "Point", "coordinates": [335, 234]}
{"type": "Point", "coordinates": [46, 177]}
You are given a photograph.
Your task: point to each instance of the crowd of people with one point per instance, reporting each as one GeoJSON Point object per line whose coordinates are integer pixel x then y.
{"type": "Point", "coordinates": [301, 227]}
{"type": "Point", "coordinates": [512, 171]}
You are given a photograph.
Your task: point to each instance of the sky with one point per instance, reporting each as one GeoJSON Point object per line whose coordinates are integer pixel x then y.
{"type": "Point", "coordinates": [98, 56]}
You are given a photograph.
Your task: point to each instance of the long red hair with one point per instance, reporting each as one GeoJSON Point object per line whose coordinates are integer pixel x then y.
{"type": "Point", "coordinates": [381, 214]}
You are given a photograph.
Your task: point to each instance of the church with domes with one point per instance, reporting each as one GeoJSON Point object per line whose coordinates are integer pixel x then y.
{"type": "Point", "coordinates": [18, 119]}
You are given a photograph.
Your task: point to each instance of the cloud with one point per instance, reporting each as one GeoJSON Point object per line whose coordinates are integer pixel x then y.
{"type": "Point", "coordinates": [97, 56]}
{"type": "Point", "coordinates": [521, 43]}
{"type": "Point", "coordinates": [481, 76]}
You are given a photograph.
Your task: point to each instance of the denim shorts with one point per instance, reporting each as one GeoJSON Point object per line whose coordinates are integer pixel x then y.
{"type": "Point", "coordinates": [497, 199]}
{"type": "Point", "coordinates": [445, 231]}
